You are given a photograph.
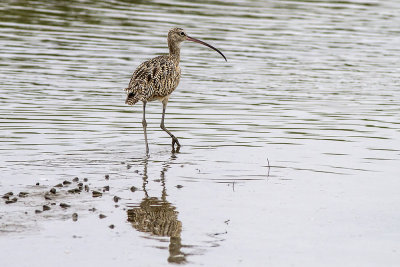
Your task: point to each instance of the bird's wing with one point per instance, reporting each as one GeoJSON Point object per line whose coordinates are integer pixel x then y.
{"type": "Point", "coordinates": [157, 77]}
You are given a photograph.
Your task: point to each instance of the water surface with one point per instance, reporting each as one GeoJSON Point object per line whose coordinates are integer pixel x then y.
{"type": "Point", "coordinates": [290, 150]}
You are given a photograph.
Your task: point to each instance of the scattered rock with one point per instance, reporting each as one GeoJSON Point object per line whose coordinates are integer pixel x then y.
{"type": "Point", "coordinates": [76, 179]}
{"type": "Point", "coordinates": [133, 188]}
{"type": "Point", "coordinates": [85, 179]}
{"type": "Point", "coordinates": [111, 226]}
{"type": "Point", "coordinates": [37, 184]}
{"type": "Point", "coordinates": [179, 186]}
{"type": "Point", "coordinates": [106, 188]}
{"type": "Point", "coordinates": [74, 191]}
{"type": "Point", "coordinates": [38, 211]}
{"type": "Point", "coordinates": [107, 177]}
{"type": "Point", "coordinates": [58, 185]}
{"type": "Point", "coordinates": [128, 166]}
{"type": "Point", "coordinates": [97, 194]}
{"type": "Point", "coordinates": [23, 194]}
{"type": "Point", "coordinates": [136, 171]}
{"type": "Point", "coordinates": [53, 190]}
{"type": "Point", "coordinates": [92, 209]}
{"type": "Point", "coordinates": [86, 188]}
{"type": "Point", "coordinates": [102, 216]}
{"type": "Point", "coordinates": [47, 197]}
{"type": "Point", "coordinates": [64, 205]}
{"type": "Point", "coordinates": [75, 217]}
{"type": "Point", "coordinates": [13, 200]}
{"type": "Point", "coordinates": [66, 182]}
{"type": "Point", "coordinates": [45, 207]}
{"type": "Point", "coordinates": [116, 199]}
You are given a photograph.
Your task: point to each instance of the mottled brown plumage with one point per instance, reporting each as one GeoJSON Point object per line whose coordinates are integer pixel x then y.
{"type": "Point", "coordinates": [157, 78]}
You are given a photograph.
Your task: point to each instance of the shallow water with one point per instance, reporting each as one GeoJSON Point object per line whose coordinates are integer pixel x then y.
{"type": "Point", "coordinates": [290, 150]}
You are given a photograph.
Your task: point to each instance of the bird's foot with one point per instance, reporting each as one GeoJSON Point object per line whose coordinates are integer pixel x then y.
{"type": "Point", "coordinates": [178, 146]}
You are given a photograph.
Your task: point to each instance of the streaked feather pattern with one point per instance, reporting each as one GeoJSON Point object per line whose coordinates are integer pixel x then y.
{"type": "Point", "coordinates": [153, 79]}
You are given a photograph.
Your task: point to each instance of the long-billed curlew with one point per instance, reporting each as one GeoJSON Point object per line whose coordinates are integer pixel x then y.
{"type": "Point", "coordinates": [157, 78]}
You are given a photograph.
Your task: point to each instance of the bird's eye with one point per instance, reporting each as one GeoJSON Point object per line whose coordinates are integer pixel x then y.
{"type": "Point", "coordinates": [182, 34]}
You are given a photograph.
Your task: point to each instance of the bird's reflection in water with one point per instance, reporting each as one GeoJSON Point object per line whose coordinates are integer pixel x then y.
{"type": "Point", "coordinates": [159, 217]}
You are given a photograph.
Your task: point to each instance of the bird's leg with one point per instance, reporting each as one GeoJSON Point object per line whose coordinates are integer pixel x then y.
{"type": "Point", "coordinates": [174, 139]}
{"type": "Point", "coordinates": [144, 124]}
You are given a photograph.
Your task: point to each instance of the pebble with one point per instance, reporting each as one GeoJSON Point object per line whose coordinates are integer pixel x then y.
{"type": "Point", "coordinates": [106, 188]}
{"type": "Point", "coordinates": [37, 184]}
{"type": "Point", "coordinates": [45, 207]}
{"type": "Point", "coordinates": [64, 205]}
{"type": "Point", "coordinates": [23, 194]}
{"type": "Point", "coordinates": [46, 196]}
{"type": "Point", "coordinates": [102, 216]}
{"type": "Point", "coordinates": [86, 188]}
{"type": "Point", "coordinates": [53, 190]}
{"type": "Point", "coordinates": [74, 191]}
{"type": "Point", "coordinates": [11, 200]}
{"type": "Point", "coordinates": [58, 185]}
{"type": "Point", "coordinates": [116, 199]}
{"type": "Point", "coordinates": [179, 186]}
{"type": "Point", "coordinates": [75, 217]}
{"type": "Point", "coordinates": [96, 194]}
{"type": "Point", "coordinates": [76, 179]}
{"type": "Point", "coordinates": [133, 188]}
{"type": "Point", "coordinates": [107, 176]}
{"type": "Point", "coordinates": [111, 226]}
{"type": "Point", "coordinates": [38, 211]}
{"type": "Point", "coordinates": [85, 179]}
{"type": "Point", "coordinates": [92, 209]}
{"type": "Point", "coordinates": [66, 182]}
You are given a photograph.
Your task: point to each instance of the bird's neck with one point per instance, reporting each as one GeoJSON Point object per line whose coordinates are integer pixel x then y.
{"type": "Point", "coordinates": [174, 51]}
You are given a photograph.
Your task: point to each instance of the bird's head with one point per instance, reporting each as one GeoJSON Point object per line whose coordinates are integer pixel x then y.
{"type": "Point", "coordinates": [178, 35]}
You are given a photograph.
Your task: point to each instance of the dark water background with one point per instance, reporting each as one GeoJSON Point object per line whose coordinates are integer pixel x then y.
{"type": "Point", "coordinates": [310, 86]}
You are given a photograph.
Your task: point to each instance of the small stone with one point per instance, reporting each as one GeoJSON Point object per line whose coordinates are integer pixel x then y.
{"type": "Point", "coordinates": [136, 171]}
{"type": "Point", "coordinates": [107, 177]}
{"type": "Point", "coordinates": [53, 190]}
{"type": "Point", "coordinates": [179, 186]}
{"type": "Point", "coordinates": [7, 197]}
{"type": "Point", "coordinates": [122, 162]}
{"type": "Point", "coordinates": [128, 166]}
{"type": "Point", "coordinates": [96, 194]}
{"type": "Point", "coordinates": [38, 211]}
{"type": "Point", "coordinates": [111, 226]}
{"type": "Point", "coordinates": [102, 216]}
{"type": "Point", "coordinates": [64, 205]}
{"type": "Point", "coordinates": [58, 185]}
{"type": "Point", "coordinates": [45, 207]}
{"type": "Point", "coordinates": [106, 188]}
{"type": "Point", "coordinates": [75, 217]}
{"type": "Point", "coordinates": [85, 179]}
{"type": "Point", "coordinates": [66, 182]}
{"type": "Point", "coordinates": [74, 191]}
{"type": "Point", "coordinates": [86, 188]}
{"type": "Point", "coordinates": [133, 188]}
{"type": "Point", "coordinates": [11, 200]}
{"type": "Point", "coordinates": [92, 209]}
{"type": "Point", "coordinates": [37, 184]}
{"type": "Point", "coordinates": [47, 197]}
{"type": "Point", "coordinates": [23, 194]}
{"type": "Point", "coordinates": [76, 179]}
{"type": "Point", "coordinates": [80, 184]}
{"type": "Point", "coordinates": [116, 199]}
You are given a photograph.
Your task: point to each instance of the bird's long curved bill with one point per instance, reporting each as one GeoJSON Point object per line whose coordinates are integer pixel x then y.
{"type": "Point", "coordinates": [204, 43]}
